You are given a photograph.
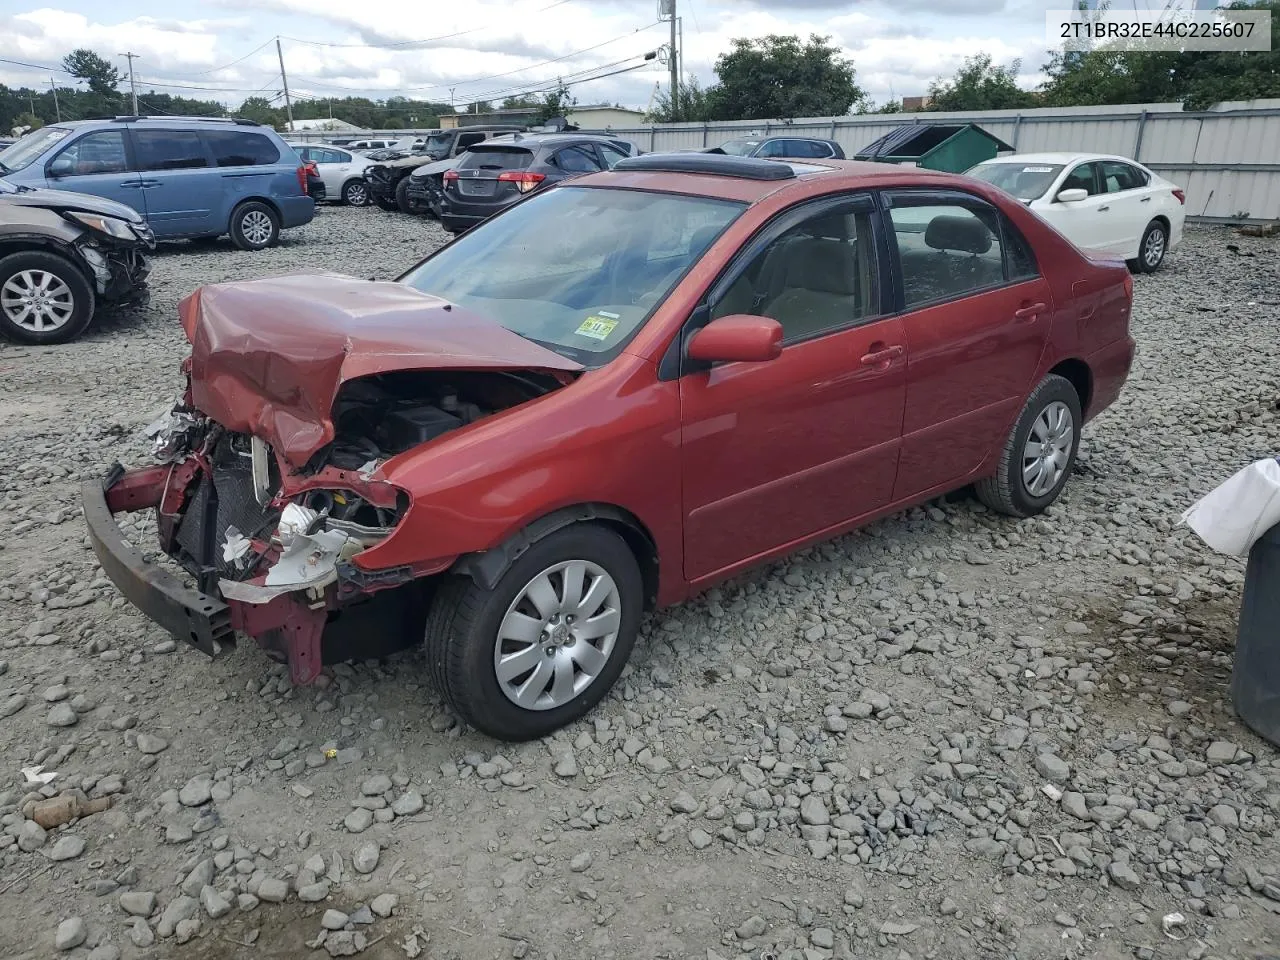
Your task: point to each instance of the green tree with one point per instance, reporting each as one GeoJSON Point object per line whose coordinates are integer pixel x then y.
{"type": "Point", "coordinates": [980, 85]}
{"type": "Point", "coordinates": [889, 106]}
{"type": "Point", "coordinates": [554, 103]}
{"type": "Point", "coordinates": [779, 77]}
{"type": "Point", "coordinates": [522, 102]}
{"type": "Point", "coordinates": [84, 64]}
{"type": "Point", "coordinates": [260, 110]}
{"type": "Point", "coordinates": [694, 106]}
{"type": "Point", "coordinates": [27, 119]}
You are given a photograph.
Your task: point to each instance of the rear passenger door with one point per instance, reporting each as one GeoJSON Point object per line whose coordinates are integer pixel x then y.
{"type": "Point", "coordinates": [773, 453]}
{"type": "Point", "coordinates": [179, 186]}
{"type": "Point", "coordinates": [1122, 187]}
{"type": "Point", "coordinates": [576, 160]}
{"type": "Point", "coordinates": [976, 313]}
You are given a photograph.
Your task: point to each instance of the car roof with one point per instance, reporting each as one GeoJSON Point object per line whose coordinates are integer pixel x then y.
{"type": "Point", "coordinates": [851, 174]}
{"type": "Point", "coordinates": [1063, 158]}
{"type": "Point", "coordinates": [218, 123]}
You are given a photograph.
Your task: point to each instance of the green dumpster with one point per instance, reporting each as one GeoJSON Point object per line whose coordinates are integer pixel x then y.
{"type": "Point", "coordinates": [952, 147]}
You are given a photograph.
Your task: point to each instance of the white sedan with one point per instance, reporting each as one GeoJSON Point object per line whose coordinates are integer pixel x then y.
{"type": "Point", "coordinates": [1100, 203]}
{"type": "Point", "coordinates": [341, 170]}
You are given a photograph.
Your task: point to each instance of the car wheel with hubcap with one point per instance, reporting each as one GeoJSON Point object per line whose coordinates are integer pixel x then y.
{"type": "Point", "coordinates": [1040, 453]}
{"type": "Point", "coordinates": [44, 298]}
{"type": "Point", "coordinates": [1154, 245]}
{"type": "Point", "coordinates": [355, 193]}
{"type": "Point", "coordinates": [254, 226]}
{"type": "Point", "coordinates": [543, 646]}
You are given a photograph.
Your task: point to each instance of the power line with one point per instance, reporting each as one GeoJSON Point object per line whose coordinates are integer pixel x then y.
{"type": "Point", "coordinates": [205, 73]}
{"type": "Point", "coordinates": [409, 43]}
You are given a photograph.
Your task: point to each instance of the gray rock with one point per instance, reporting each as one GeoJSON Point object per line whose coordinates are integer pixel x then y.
{"type": "Point", "coordinates": [201, 876]}
{"type": "Point", "coordinates": [311, 893]}
{"type": "Point", "coordinates": [362, 916]}
{"type": "Point", "coordinates": [699, 838]}
{"type": "Point", "coordinates": [1223, 815]}
{"type": "Point", "coordinates": [105, 951]}
{"type": "Point", "coordinates": [376, 785]}
{"type": "Point", "coordinates": [1053, 768]}
{"type": "Point", "coordinates": [196, 791]}
{"type": "Point", "coordinates": [1074, 804]}
{"type": "Point", "coordinates": [823, 938]}
{"type": "Point", "coordinates": [1221, 751]}
{"type": "Point", "coordinates": [272, 890]}
{"type": "Point", "coordinates": [138, 903]}
{"type": "Point", "coordinates": [566, 766]}
{"type": "Point", "coordinates": [753, 926]}
{"type": "Point", "coordinates": [186, 929]}
{"type": "Point", "coordinates": [333, 920]}
{"type": "Point", "coordinates": [56, 693]}
{"type": "Point", "coordinates": [384, 905]}
{"type": "Point", "coordinates": [151, 744]}
{"type": "Point", "coordinates": [31, 836]}
{"type": "Point", "coordinates": [813, 811]}
{"type": "Point", "coordinates": [407, 804]}
{"type": "Point", "coordinates": [214, 903]}
{"type": "Point", "coordinates": [246, 902]}
{"type": "Point", "coordinates": [179, 909]}
{"type": "Point", "coordinates": [62, 715]}
{"type": "Point", "coordinates": [1146, 819]}
{"type": "Point", "coordinates": [11, 705]}
{"type": "Point", "coordinates": [365, 859]}
{"type": "Point", "coordinates": [71, 932]}
{"type": "Point", "coordinates": [684, 803]}
{"type": "Point", "coordinates": [1123, 876]}
{"type": "Point", "coordinates": [358, 820]}
{"type": "Point", "coordinates": [140, 934]}
{"type": "Point", "coordinates": [581, 862]}
{"type": "Point", "coordinates": [342, 943]}
{"type": "Point", "coordinates": [67, 847]}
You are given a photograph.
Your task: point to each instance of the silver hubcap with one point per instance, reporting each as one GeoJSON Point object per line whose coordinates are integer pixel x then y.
{"type": "Point", "coordinates": [1154, 248]}
{"type": "Point", "coordinates": [1044, 458]}
{"type": "Point", "coordinates": [37, 300]}
{"type": "Point", "coordinates": [256, 227]}
{"type": "Point", "coordinates": [356, 195]}
{"type": "Point", "coordinates": [557, 635]}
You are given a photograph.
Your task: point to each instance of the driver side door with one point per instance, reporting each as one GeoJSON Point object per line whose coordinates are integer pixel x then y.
{"type": "Point", "coordinates": [98, 163]}
{"type": "Point", "coordinates": [777, 452]}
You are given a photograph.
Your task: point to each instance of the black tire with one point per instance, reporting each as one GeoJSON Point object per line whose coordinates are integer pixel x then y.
{"type": "Point", "coordinates": [355, 193]}
{"type": "Point", "coordinates": [1154, 245]}
{"type": "Point", "coordinates": [465, 618]}
{"type": "Point", "coordinates": [389, 205]}
{"type": "Point", "coordinates": [254, 226]}
{"type": "Point", "coordinates": [404, 202]}
{"type": "Point", "coordinates": [75, 292]}
{"type": "Point", "coordinates": [1007, 491]}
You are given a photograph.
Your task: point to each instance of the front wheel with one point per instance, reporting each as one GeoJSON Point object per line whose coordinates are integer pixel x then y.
{"type": "Point", "coordinates": [406, 203]}
{"type": "Point", "coordinates": [1155, 244]}
{"type": "Point", "coordinates": [254, 226]}
{"type": "Point", "coordinates": [546, 643]}
{"type": "Point", "coordinates": [44, 298]}
{"type": "Point", "coordinates": [1040, 453]}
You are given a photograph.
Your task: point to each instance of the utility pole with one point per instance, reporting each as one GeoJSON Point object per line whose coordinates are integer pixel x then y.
{"type": "Point", "coordinates": [284, 80]}
{"type": "Point", "coordinates": [133, 87]}
{"type": "Point", "coordinates": [667, 11]}
{"type": "Point", "coordinates": [56, 109]}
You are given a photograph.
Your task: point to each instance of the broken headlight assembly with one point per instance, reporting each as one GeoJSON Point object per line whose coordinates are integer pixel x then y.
{"type": "Point", "coordinates": [113, 227]}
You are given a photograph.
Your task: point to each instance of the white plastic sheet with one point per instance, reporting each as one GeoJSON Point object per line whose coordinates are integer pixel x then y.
{"type": "Point", "coordinates": [1231, 517]}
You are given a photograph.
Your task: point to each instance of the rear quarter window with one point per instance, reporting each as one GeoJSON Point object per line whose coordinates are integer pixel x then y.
{"type": "Point", "coordinates": [236, 148]}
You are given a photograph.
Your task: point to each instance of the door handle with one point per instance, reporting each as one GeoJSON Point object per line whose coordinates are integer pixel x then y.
{"type": "Point", "coordinates": [150, 183]}
{"type": "Point", "coordinates": [1146, 200]}
{"type": "Point", "coordinates": [881, 356]}
{"type": "Point", "coordinates": [1029, 312]}
{"type": "Point", "coordinates": [1104, 209]}
{"type": "Point", "coordinates": [132, 184]}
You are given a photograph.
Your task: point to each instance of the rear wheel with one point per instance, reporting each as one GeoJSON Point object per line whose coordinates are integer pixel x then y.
{"type": "Point", "coordinates": [355, 193]}
{"type": "Point", "coordinates": [44, 298]}
{"type": "Point", "coordinates": [406, 203]}
{"type": "Point", "coordinates": [254, 226]}
{"type": "Point", "coordinates": [546, 643]}
{"type": "Point", "coordinates": [1040, 453]}
{"type": "Point", "coordinates": [1155, 244]}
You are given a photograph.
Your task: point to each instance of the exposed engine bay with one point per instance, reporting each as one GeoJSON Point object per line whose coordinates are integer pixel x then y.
{"type": "Point", "coordinates": [380, 416]}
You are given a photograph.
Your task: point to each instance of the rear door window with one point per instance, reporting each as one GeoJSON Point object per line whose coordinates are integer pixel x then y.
{"type": "Point", "coordinates": [169, 150]}
{"type": "Point", "coordinates": [611, 154]}
{"type": "Point", "coordinates": [101, 152]}
{"type": "Point", "coordinates": [1117, 176]}
{"type": "Point", "coordinates": [238, 148]}
{"type": "Point", "coordinates": [468, 139]}
{"type": "Point", "coordinates": [579, 159]}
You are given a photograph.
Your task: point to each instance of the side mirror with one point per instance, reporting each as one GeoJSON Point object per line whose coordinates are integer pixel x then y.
{"type": "Point", "coordinates": [1074, 195]}
{"type": "Point", "coordinates": [739, 337]}
{"type": "Point", "coordinates": [59, 167]}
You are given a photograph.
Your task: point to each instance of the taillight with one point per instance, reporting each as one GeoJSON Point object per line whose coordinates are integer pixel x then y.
{"type": "Point", "coordinates": [450, 175]}
{"type": "Point", "coordinates": [523, 179]}
{"type": "Point", "coordinates": [1128, 286]}
{"type": "Point", "coordinates": [1181, 195]}
{"type": "Point", "coordinates": [302, 178]}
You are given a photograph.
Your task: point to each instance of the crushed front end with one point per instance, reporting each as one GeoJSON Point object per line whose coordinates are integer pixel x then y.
{"type": "Point", "coordinates": [118, 265]}
{"type": "Point", "coordinates": [269, 549]}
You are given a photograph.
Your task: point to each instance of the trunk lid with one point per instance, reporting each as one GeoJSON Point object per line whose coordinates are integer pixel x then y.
{"type": "Point", "coordinates": [269, 356]}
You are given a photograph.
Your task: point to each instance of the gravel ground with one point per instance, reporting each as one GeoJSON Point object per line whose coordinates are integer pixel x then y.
{"type": "Point", "coordinates": [948, 735]}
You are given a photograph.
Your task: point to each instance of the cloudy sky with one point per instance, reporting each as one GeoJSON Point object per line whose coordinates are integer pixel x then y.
{"type": "Point", "coordinates": [485, 48]}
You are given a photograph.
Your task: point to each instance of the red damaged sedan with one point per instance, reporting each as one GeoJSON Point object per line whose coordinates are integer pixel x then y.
{"type": "Point", "coordinates": [613, 395]}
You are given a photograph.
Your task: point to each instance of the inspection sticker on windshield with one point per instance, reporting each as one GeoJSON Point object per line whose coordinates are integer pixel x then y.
{"type": "Point", "coordinates": [1037, 169]}
{"type": "Point", "coordinates": [599, 325]}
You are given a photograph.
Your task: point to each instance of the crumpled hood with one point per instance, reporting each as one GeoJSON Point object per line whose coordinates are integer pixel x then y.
{"type": "Point", "coordinates": [436, 166]}
{"type": "Point", "coordinates": [70, 200]}
{"type": "Point", "coordinates": [269, 356]}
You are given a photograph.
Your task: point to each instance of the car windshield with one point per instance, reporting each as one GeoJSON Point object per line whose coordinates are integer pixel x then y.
{"type": "Point", "coordinates": [25, 152]}
{"type": "Point", "coordinates": [739, 148]}
{"type": "Point", "coordinates": [438, 141]}
{"type": "Point", "coordinates": [583, 287]}
{"type": "Point", "coordinates": [1026, 181]}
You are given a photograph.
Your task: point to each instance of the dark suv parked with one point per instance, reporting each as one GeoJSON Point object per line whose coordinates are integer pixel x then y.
{"type": "Point", "coordinates": [60, 254]}
{"type": "Point", "coordinates": [790, 148]}
{"type": "Point", "coordinates": [389, 182]}
{"type": "Point", "coordinates": [491, 176]}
